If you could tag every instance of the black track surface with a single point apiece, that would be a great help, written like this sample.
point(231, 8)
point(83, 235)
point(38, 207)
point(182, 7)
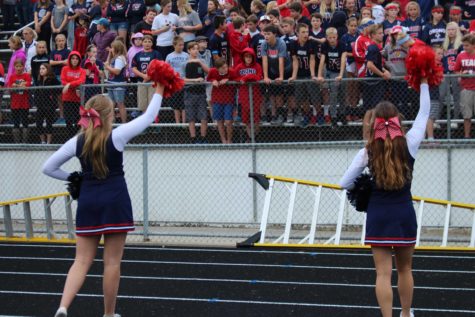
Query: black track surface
point(232, 282)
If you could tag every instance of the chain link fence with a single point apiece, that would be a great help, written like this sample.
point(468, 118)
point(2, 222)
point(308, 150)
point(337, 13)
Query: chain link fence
point(300, 111)
point(200, 194)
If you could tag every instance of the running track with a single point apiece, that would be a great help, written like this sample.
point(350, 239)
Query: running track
point(231, 282)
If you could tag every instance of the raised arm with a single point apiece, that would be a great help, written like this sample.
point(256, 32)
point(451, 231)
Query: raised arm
point(416, 134)
point(125, 132)
point(356, 168)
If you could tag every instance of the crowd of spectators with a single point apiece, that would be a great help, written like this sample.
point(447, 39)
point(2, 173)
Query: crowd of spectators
point(300, 50)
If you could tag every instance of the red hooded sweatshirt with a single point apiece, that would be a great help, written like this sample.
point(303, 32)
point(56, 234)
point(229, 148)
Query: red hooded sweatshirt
point(246, 74)
point(75, 76)
point(238, 42)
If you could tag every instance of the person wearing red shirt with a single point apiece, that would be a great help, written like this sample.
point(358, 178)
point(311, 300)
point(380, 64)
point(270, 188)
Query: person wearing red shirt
point(283, 7)
point(72, 76)
point(238, 40)
point(81, 40)
point(361, 46)
point(250, 71)
point(19, 101)
point(222, 98)
point(465, 64)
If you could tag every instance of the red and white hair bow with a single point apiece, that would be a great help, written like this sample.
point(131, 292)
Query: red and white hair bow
point(88, 115)
point(383, 127)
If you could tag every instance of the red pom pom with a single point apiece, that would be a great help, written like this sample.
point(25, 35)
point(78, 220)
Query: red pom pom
point(420, 63)
point(162, 73)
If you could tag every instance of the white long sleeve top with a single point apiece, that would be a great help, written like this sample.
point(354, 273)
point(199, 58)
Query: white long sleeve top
point(120, 137)
point(414, 138)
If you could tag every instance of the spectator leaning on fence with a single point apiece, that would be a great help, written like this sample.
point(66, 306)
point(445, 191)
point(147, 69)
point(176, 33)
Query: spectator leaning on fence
point(94, 71)
point(222, 98)
point(249, 71)
point(465, 65)
point(20, 103)
point(331, 69)
point(46, 101)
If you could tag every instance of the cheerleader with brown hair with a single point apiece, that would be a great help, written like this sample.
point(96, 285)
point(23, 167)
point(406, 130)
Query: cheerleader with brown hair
point(391, 224)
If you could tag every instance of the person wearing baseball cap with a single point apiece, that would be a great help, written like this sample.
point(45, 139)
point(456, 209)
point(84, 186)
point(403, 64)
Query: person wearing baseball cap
point(103, 39)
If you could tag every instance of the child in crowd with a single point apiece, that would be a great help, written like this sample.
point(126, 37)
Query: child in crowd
point(46, 101)
point(222, 98)
point(392, 11)
point(116, 65)
point(177, 59)
point(19, 103)
point(413, 22)
point(136, 47)
point(195, 95)
point(455, 15)
point(435, 104)
point(361, 46)
point(434, 32)
point(40, 58)
point(257, 37)
point(373, 91)
point(258, 8)
point(452, 47)
point(276, 67)
point(94, 71)
point(59, 19)
point(352, 99)
point(366, 13)
point(238, 40)
point(140, 63)
point(296, 13)
point(204, 54)
point(303, 67)
point(288, 29)
point(58, 59)
point(81, 40)
point(208, 19)
point(317, 33)
point(218, 43)
point(332, 66)
point(249, 71)
point(72, 77)
point(377, 10)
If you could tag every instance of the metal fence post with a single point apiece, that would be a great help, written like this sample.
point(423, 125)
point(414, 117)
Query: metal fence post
point(145, 193)
point(251, 114)
point(28, 221)
point(7, 218)
point(82, 93)
point(69, 216)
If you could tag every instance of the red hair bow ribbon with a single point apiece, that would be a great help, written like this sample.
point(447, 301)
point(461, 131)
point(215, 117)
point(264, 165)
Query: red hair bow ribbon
point(88, 115)
point(383, 127)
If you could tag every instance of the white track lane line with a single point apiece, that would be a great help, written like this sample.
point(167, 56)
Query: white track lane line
point(223, 250)
point(216, 280)
point(288, 266)
point(234, 301)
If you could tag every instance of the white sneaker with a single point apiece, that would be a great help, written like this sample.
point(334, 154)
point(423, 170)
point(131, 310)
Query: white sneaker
point(411, 313)
point(115, 315)
point(61, 312)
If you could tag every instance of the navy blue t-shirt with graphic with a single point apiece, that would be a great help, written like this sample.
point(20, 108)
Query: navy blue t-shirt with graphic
point(333, 56)
point(373, 54)
point(143, 59)
point(303, 54)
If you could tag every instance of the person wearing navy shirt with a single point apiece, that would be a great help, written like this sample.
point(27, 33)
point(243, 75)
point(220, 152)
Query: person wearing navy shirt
point(218, 43)
point(373, 90)
point(303, 67)
point(414, 22)
point(135, 12)
point(434, 32)
point(468, 7)
point(140, 65)
point(426, 6)
point(391, 20)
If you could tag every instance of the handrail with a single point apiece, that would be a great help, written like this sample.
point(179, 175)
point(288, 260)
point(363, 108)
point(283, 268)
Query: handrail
point(334, 186)
point(23, 200)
